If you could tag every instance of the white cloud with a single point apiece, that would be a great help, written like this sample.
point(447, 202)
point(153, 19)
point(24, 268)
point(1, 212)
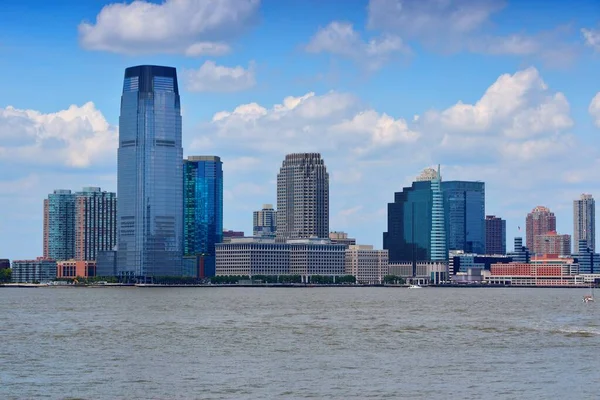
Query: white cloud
point(340, 38)
point(211, 77)
point(594, 109)
point(76, 137)
point(592, 38)
point(190, 27)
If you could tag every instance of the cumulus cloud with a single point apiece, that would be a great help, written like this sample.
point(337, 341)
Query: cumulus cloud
point(75, 137)
point(211, 77)
point(340, 38)
point(594, 109)
point(190, 27)
point(591, 38)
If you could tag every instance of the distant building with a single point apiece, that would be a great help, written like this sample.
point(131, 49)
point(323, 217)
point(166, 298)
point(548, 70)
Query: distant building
point(302, 197)
point(539, 222)
point(425, 272)
point(461, 262)
point(416, 222)
point(106, 263)
point(589, 262)
point(542, 272)
point(59, 225)
point(75, 269)
point(465, 215)
point(229, 234)
point(4, 263)
point(341, 238)
point(495, 235)
point(520, 253)
point(30, 271)
point(369, 266)
point(264, 221)
point(584, 221)
point(552, 243)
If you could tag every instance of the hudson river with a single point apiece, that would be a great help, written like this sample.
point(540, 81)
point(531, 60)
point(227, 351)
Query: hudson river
point(319, 343)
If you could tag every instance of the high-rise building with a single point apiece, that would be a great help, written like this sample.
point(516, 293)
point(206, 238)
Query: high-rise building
point(584, 221)
point(59, 225)
point(150, 174)
point(265, 221)
point(203, 207)
point(495, 235)
point(416, 222)
point(552, 244)
point(95, 222)
point(539, 222)
point(465, 213)
point(303, 197)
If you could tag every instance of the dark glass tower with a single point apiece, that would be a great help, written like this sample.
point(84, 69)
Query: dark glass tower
point(150, 174)
point(465, 208)
point(203, 208)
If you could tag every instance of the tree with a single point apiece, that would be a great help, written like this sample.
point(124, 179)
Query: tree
point(393, 279)
point(5, 275)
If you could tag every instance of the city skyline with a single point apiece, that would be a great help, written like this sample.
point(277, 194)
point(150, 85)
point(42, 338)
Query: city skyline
point(377, 124)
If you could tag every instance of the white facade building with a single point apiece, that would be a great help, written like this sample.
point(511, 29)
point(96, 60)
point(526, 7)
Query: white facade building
point(366, 264)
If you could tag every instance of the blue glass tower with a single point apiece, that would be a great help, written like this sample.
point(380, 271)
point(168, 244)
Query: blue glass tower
point(150, 172)
point(465, 208)
point(203, 208)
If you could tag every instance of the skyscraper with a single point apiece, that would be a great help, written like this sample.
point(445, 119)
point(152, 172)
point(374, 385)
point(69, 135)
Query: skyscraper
point(59, 225)
point(203, 207)
point(95, 222)
point(416, 222)
point(465, 210)
point(303, 197)
point(584, 221)
point(264, 221)
point(539, 222)
point(495, 235)
point(150, 174)
point(552, 244)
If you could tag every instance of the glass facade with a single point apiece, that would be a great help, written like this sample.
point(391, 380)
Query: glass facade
point(203, 208)
point(59, 225)
point(95, 223)
point(465, 208)
point(150, 172)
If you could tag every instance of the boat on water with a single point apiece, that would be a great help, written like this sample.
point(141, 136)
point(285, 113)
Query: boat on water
point(588, 298)
point(415, 287)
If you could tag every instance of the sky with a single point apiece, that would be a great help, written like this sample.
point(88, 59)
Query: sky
point(505, 92)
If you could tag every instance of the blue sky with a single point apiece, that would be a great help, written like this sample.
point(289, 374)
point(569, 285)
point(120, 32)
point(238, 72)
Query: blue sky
point(506, 92)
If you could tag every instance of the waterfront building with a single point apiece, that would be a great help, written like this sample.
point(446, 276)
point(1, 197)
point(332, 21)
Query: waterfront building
point(341, 238)
point(59, 225)
point(95, 222)
point(229, 234)
point(539, 222)
point(588, 260)
point(584, 221)
point(461, 262)
point(302, 197)
point(421, 273)
point(150, 174)
point(521, 253)
point(30, 271)
point(540, 272)
point(552, 243)
point(416, 222)
point(203, 208)
point(495, 235)
point(106, 263)
point(264, 222)
point(4, 263)
point(465, 215)
point(75, 269)
point(367, 265)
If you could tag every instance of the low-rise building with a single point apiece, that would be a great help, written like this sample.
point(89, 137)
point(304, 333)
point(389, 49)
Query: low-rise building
point(421, 272)
point(538, 272)
point(75, 269)
point(4, 263)
point(29, 271)
point(341, 238)
point(367, 265)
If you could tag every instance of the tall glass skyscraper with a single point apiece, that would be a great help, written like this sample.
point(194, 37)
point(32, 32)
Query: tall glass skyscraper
point(584, 221)
point(416, 222)
point(203, 207)
point(59, 225)
point(150, 174)
point(465, 208)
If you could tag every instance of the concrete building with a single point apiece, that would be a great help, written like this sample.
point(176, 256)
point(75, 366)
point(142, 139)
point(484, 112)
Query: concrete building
point(229, 234)
point(552, 243)
point(538, 222)
point(29, 271)
point(95, 222)
point(541, 272)
point(495, 235)
point(584, 221)
point(461, 262)
point(367, 265)
point(341, 238)
point(302, 197)
point(264, 222)
point(422, 273)
point(75, 269)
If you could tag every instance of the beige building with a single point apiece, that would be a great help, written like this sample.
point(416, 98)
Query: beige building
point(366, 264)
point(341, 238)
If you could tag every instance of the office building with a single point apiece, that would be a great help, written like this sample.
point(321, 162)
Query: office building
point(520, 254)
point(4, 263)
point(461, 262)
point(75, 269)
point(203, 207)
point(584, 221)
point(341, 238)
point(539, 222)
point(228, 234)
point(416, 222)
point(589, 262)
point(465, 215)
point(106, 263)
point(367, 265)
point(150, 175)
point(31, 271)
point(302, 197)
point(264, 222)
point(59, 225)
point(95, 223)
point(552, 243)
point(495, 235)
